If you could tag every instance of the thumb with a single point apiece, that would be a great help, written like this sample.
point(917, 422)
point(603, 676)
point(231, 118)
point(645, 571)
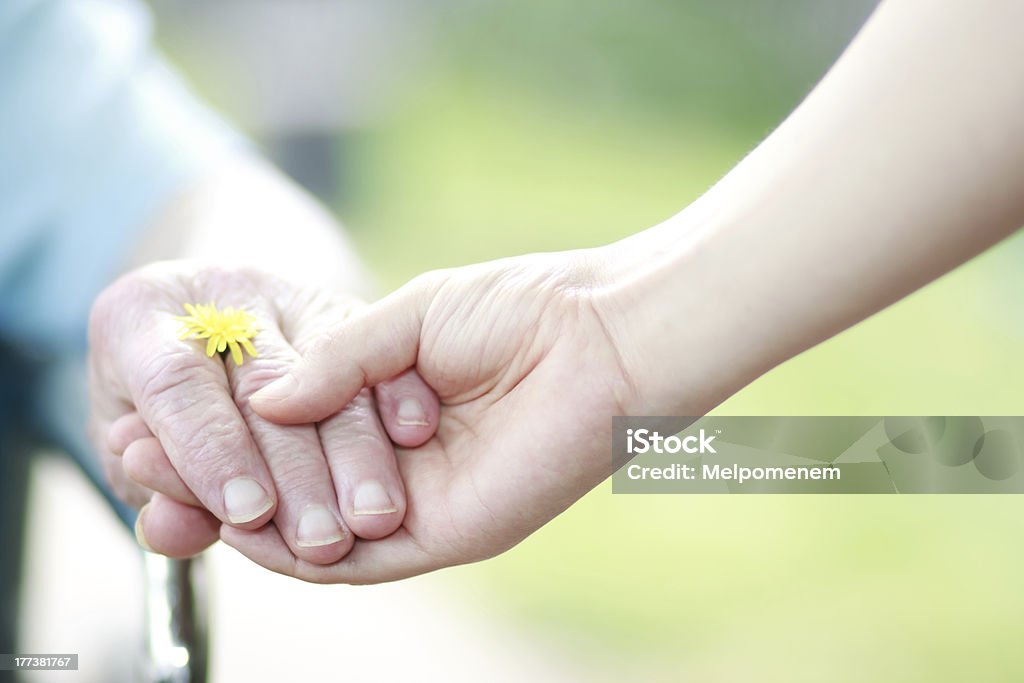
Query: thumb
point(374, 344)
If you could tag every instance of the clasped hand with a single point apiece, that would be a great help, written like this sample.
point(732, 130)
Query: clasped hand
point(176, 434)
point(518, 352)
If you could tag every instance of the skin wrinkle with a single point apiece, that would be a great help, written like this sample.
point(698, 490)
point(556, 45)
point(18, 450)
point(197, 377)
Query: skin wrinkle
point(622, 376)
point(365, 444)
point(293, 473)
point(522, 370)
point(102, 331)
point(453, 533)
point(169, 375)
point(435, 332)
point(448, 416)
point(521, 364)
point(205, 430)
point(469, 419)
point(481, 504)
point(439, 336)
point(416, 545)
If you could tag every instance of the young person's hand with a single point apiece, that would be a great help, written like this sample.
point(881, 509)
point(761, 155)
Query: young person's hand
point(528, 378)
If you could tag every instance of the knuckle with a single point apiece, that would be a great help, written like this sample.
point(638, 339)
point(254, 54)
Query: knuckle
point(195, 431)
point(178, 397)
point(349, 442)
point(162, 377)
point(211, 442)
point(296, 477)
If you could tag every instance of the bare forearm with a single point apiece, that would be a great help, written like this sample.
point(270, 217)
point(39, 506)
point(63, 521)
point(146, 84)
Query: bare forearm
point(248, 214)
point(907, 160)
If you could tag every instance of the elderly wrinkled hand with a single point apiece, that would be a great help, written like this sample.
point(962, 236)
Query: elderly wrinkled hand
point(176, 434)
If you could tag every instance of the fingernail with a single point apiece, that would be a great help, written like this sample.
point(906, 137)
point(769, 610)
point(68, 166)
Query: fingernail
point(411, 413)
point(278, 390)
point(140, 535)
point(372, 499)
point(318, 527)
point(245, 500)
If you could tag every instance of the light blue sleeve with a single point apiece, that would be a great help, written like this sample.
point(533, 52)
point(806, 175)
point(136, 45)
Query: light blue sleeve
point(95, 133)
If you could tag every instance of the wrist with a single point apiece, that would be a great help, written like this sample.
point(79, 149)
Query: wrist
point(682, 317)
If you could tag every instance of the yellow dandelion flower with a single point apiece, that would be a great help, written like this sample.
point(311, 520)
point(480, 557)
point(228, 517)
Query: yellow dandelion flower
point(231, 328)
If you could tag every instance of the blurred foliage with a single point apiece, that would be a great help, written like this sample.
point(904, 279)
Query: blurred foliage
point(537, 125)
point(540, 126)
point(737, 61)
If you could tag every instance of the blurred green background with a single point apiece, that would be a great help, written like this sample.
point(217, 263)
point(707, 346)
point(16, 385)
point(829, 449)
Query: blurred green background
point(524, 126)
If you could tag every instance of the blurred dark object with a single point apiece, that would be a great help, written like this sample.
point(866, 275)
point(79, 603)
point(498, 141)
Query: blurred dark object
point(176, 621)
point(15, 447)
point(313, 159)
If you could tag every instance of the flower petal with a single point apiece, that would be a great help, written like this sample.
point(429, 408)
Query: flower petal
point(236, 353)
